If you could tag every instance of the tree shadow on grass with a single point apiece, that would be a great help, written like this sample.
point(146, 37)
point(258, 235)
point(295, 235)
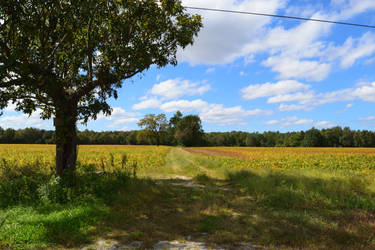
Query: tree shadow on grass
point(275, 210)
point(272, 210)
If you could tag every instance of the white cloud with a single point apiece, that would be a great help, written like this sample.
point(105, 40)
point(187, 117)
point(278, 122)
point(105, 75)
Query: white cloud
point(365, 92)
point(272, 122)
point(300, 69)
point(271, 89)
point(308, 100)
point(147, 104)
point(184, 106)
point(324, 124)
point(224, 36)
point(216, 113)
point(175, 88)
point(213, 113)
point(119, 117)
point(20, 121)
point(10, 108)
point(290, 121)
point(350, 8)
point(299, 52)
point(353, 49)
point(301, 97)
point(292, 107)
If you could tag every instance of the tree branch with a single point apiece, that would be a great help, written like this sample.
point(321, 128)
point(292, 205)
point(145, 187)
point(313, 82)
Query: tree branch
point(92, 85)
point(89, 49)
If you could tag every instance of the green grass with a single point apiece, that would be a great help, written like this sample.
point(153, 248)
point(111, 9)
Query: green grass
point(308, 209)
point(42, 226)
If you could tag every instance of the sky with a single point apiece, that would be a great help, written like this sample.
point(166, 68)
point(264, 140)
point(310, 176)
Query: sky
point(253, 73)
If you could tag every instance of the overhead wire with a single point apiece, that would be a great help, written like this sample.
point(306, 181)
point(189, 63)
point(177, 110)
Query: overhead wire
point(280, 16)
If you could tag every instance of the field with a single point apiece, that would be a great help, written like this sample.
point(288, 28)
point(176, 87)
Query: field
point(309, 198)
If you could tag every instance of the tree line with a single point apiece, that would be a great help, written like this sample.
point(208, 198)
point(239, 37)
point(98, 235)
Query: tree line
point(187, 131)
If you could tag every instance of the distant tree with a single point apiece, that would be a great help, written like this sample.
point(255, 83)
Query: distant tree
point(347, 139)
point(131, 138)
point(173, 121)
point(312, 138)
point(269, 139)
point(66, 58)
point(145, 137)
point(189, 131)
point(8, 135)
point(218, 140)
point(332, 136)
point(1, 135)
point(295, 139)
point(252, 140)
point(357, 139)
point(155, 124)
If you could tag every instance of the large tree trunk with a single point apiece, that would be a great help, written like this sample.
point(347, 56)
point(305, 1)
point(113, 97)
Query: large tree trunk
point(66, 140)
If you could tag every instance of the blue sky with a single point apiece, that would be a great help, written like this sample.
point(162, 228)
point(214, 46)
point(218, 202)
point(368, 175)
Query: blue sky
point(254, 73)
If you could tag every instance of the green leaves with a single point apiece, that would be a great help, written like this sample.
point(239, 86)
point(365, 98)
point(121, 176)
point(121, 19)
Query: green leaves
point(82, 51)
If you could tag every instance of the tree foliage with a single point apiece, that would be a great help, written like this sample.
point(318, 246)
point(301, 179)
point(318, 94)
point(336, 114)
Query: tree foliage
point(189, 131)
point(66, 58)
point(155, 125)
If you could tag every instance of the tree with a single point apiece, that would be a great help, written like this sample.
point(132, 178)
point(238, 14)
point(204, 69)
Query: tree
point(172, 126)
point(189, 131)
point(312, 138)
point(252, 140)
point(155, 124)
point(347, 139)
point(67, 57)
point(332, 136)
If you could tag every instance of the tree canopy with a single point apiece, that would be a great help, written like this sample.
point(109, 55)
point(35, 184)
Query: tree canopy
point(189, 131)
point(66, 58)
point(155, 125)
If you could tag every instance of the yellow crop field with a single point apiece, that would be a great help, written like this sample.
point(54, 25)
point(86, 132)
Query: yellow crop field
point(359, 160)
point(151, 158)
point(102, 158)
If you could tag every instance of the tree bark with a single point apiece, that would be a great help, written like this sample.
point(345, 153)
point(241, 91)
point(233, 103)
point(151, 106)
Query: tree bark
point(66, 140)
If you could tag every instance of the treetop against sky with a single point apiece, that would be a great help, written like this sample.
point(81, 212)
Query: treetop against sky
point(257, 73)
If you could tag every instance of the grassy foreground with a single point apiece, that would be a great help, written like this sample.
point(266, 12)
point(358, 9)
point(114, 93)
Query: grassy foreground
point(225, 203)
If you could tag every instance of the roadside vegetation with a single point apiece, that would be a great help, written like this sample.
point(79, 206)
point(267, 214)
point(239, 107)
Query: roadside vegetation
point(220, 196)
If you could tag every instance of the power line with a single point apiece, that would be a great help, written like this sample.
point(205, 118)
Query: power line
point(280, 16)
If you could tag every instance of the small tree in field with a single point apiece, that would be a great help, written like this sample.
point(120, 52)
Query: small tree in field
point(155, 125)
point(189, 131)
point(67, 57)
